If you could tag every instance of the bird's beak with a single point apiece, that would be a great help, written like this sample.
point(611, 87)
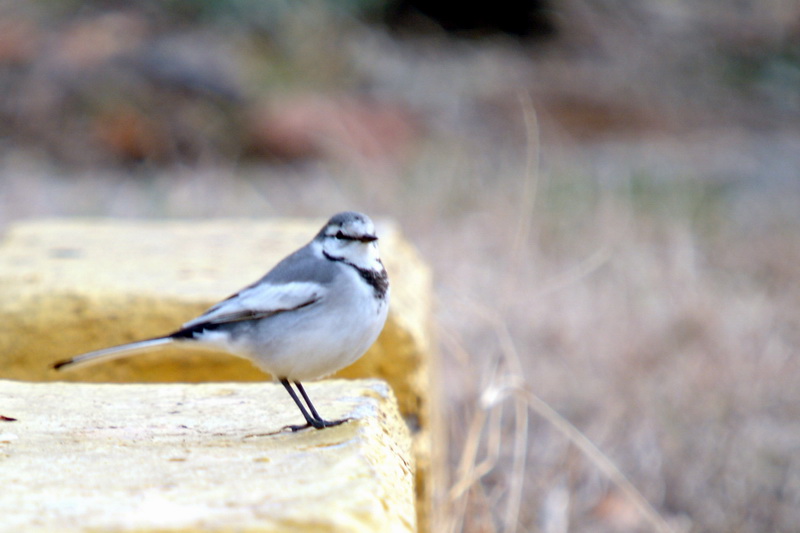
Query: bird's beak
point(368, 238)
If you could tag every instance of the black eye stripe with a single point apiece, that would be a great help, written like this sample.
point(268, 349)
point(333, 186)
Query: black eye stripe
point(342, 236)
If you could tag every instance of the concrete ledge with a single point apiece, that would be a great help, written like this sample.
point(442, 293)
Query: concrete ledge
point(68, 286)
point(178, 457)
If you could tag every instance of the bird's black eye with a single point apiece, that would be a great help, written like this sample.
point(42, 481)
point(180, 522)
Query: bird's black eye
point(341, 235)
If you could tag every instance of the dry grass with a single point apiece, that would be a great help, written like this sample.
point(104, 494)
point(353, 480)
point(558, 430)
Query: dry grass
point(668, 341)
point(686, 384)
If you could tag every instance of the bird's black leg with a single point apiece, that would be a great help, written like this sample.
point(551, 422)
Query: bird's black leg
point(310, 421)
point(322, 423)
point(310, 405)
point(313, 419)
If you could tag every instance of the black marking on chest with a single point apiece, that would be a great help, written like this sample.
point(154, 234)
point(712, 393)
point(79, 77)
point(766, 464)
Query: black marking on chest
point(378, 280)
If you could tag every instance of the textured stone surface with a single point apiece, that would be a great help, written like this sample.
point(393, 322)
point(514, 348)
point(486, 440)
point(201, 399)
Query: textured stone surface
point(68, 286)
point(183, 457)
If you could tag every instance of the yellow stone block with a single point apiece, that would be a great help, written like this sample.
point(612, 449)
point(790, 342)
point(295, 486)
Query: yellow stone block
point(195, 457)
point(68, 286)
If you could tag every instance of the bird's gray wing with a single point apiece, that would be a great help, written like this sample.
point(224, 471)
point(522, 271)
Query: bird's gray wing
point(300, 280)
point(260, 301)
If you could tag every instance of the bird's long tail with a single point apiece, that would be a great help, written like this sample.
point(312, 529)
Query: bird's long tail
point(114, 352)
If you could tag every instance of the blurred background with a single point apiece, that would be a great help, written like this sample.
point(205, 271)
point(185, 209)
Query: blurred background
point(608, 192)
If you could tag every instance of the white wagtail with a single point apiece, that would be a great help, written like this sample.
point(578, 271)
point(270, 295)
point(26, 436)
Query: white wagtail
point(315, 312)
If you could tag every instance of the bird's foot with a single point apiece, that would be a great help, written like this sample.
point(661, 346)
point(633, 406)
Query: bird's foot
point(318, 424)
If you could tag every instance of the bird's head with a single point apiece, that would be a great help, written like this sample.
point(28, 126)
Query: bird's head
point(350, 236)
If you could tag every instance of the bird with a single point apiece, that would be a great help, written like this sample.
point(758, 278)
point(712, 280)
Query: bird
point(314, 313)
